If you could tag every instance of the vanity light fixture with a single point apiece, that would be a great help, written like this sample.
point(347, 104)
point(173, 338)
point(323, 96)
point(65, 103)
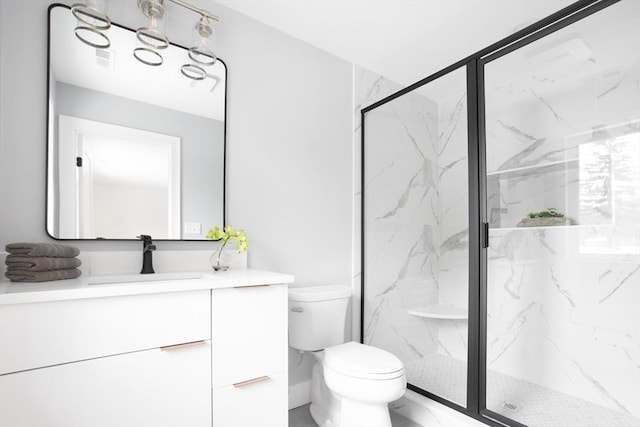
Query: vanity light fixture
point(204, 35)
point(201, 53)
point(150, 39)
point(91, 24)
point(153, 39)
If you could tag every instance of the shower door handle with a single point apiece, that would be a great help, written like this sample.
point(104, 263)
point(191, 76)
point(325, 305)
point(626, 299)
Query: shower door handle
point(485, 235)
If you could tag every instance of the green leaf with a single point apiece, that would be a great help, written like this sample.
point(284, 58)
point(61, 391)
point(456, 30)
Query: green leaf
point(229, 233)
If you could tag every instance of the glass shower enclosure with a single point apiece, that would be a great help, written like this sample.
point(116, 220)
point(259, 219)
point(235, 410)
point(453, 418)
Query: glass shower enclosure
point(501, 225)
point(417, 233)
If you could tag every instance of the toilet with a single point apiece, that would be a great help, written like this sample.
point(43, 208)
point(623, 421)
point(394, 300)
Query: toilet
point(351, 383)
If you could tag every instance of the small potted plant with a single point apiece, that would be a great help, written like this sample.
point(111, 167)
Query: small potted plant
point(225, 235)
point(548, 217)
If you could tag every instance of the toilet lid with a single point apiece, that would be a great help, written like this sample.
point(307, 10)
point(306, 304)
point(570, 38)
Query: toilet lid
point(363, 361)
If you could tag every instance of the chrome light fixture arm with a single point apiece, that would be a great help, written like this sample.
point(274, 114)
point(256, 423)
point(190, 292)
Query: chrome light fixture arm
point(202, 12)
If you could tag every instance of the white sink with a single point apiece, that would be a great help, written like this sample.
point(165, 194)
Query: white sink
point(139, 278)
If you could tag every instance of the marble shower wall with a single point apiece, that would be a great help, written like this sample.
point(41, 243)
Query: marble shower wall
point(453, 272)
point(402, 224)
point(561, 317)
point(563, 301)
point(416, 216)
point(368, 87)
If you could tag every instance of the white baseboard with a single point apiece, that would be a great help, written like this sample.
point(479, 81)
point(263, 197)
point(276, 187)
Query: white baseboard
point(427, 412)
point(299, 394)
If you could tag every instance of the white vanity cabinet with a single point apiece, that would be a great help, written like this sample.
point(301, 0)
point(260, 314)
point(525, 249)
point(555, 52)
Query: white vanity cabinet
point(249, 340)
point(141, 360)
point(150, 388)
point(207, 352)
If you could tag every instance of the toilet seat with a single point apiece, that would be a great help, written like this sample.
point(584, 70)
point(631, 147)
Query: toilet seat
point(363, 361)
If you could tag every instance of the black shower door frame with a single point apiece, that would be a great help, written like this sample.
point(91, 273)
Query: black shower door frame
point(478, 223)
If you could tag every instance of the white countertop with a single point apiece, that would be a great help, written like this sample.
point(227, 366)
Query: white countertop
point(86, 286)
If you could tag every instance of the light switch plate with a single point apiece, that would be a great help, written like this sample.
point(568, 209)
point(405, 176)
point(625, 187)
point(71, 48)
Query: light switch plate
point(192, 228)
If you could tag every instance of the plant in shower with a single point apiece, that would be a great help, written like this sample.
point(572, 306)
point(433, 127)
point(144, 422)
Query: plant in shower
point(226, 234)
point(549, 213)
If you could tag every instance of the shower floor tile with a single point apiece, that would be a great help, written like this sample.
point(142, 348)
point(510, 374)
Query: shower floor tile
point(514, 398)
point(535, 405)
point(441, 375)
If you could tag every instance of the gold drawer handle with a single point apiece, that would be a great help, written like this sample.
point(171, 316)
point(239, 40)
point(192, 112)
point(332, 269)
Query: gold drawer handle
point(253, 381)
point(183, 345)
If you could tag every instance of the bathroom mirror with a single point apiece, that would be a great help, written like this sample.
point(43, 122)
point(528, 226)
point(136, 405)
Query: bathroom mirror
point(132, 149)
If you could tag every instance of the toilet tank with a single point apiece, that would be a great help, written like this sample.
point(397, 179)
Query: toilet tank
point(317, 316)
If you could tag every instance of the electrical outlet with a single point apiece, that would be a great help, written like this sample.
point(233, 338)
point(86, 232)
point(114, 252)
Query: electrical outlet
point(192, 228)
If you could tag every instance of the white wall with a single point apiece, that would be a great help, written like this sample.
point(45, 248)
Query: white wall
point(289, 152)
point(1, 97)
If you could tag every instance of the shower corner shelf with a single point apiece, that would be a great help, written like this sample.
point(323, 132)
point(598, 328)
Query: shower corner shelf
point(546, 227)
point(439, 311)
point(536, 169)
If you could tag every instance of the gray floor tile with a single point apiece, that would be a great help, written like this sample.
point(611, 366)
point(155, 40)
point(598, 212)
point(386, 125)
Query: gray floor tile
point(301, 417)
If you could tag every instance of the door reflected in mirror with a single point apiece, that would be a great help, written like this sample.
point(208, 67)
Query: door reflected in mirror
point(132, 149)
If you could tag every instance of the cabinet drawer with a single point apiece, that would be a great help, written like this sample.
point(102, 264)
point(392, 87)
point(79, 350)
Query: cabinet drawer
point(259, 404)
point(152, 388)
point(249, 333)
point(50, 333)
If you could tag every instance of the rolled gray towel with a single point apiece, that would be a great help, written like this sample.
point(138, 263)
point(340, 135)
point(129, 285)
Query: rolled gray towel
point(43, 249)
point(42, 276)
point(43, 263)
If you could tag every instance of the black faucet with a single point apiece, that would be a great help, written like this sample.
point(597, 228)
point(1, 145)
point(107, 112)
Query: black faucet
point(147, 248)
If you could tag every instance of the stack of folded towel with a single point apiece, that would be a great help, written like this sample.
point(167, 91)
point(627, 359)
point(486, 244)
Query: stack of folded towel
point(41, 262)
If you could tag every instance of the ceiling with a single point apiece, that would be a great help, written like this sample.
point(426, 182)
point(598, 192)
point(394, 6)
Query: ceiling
point(404, 40)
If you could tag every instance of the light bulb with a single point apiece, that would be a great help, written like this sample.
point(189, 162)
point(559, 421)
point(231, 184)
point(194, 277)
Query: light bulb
point(204, 35)
point(151, 38)
point(92, 21)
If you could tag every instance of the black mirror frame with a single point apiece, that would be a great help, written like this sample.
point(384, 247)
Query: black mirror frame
point(47, 146)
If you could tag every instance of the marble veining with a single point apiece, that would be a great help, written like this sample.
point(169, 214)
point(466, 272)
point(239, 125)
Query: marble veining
point(548, 106)
point(580, 338)
point(565, 293)
point(627, 277)
point(560, 308)
point(562, 301)
point(453, 123)
point(421, 250)
point(517, 133)
point(416, 223)
point(422, 178)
